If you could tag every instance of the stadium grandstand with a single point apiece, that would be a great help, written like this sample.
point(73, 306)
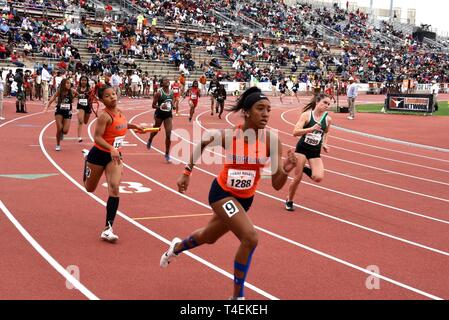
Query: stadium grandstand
point(315, 44)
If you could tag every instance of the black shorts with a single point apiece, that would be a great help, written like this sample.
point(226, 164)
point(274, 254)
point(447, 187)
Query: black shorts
point(310, 154)
point(217, 193)
point(66, 114)
point(99, 157)
point(163, 115)
point(87, 109)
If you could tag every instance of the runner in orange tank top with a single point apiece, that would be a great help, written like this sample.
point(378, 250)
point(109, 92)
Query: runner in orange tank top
point(249, 148)
point(105, 155)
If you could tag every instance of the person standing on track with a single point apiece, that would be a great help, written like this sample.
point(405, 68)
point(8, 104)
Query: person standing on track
point(313, 137)
point(63, 114)
point(105, 156)
point(163, 103)
point(194, 95)
point(84, 105)
point(249, 148)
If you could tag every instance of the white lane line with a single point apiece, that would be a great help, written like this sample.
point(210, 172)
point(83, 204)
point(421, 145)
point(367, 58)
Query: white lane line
point(397, 283)
point(397, 141)
point(75, 282)
point(375, 156)
point(20, 118)
point(370, 145)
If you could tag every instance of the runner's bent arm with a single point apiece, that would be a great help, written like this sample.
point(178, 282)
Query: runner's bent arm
point(155, 100)
point(215, 138)
point(299, 128)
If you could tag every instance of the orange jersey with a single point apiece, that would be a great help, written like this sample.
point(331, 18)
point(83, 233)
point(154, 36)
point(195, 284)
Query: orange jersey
point(176, 87)
point(241, 172)
point(114, 133)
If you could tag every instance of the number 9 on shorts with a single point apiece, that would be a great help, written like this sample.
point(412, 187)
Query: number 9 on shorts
point(230, 208)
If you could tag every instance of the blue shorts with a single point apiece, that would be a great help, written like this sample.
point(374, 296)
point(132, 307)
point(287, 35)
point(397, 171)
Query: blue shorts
point(217, 193)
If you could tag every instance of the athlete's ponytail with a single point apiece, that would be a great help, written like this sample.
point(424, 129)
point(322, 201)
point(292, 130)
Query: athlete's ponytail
point(248, 99)
point(315, 100)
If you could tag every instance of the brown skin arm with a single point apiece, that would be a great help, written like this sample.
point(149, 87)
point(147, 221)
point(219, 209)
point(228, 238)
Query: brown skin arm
point(155, 100)
point(184, 180)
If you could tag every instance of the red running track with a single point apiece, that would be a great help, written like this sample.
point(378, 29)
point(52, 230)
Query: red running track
point(359, 217)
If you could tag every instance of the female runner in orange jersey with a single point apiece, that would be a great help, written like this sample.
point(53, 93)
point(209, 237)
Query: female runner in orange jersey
point(249, 148)
point(105, 155)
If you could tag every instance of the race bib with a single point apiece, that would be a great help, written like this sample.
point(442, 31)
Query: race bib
point(83, 102)
point(175, 91)
point(241, 179)
point(118, 142)
point(166, 106)
point(193, 97)
point(65, 106)
point(313, 139)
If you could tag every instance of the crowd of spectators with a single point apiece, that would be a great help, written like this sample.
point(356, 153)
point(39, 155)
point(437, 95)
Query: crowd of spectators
point(362, 52)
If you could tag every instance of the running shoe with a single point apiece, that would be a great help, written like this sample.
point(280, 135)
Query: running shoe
point(1, 118)
point(237, 298)
point(167, 158)
point(108, 235)
point(169, 255)
point(80, 140)
point(85, 152)
point(58, 148)
point(289, 206)
point(149, 144)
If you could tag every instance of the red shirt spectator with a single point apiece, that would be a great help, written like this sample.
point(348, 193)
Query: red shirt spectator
point(62, 65)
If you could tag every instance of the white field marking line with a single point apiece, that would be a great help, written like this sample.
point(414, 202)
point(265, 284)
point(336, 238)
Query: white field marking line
point(143, 228)
point(370, 145)
point(55, 264)
point(397, 141)
point(312, 210)
point(20, 118)
point(375, 156)
point(367, 166)
point(325, 255)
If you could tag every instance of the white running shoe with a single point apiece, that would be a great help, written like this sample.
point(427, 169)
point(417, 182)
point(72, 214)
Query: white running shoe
point(237, 298)
point(58, 148)
point(350, 118)
point(169, 255)
point(108, 235)
point(85, 153)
